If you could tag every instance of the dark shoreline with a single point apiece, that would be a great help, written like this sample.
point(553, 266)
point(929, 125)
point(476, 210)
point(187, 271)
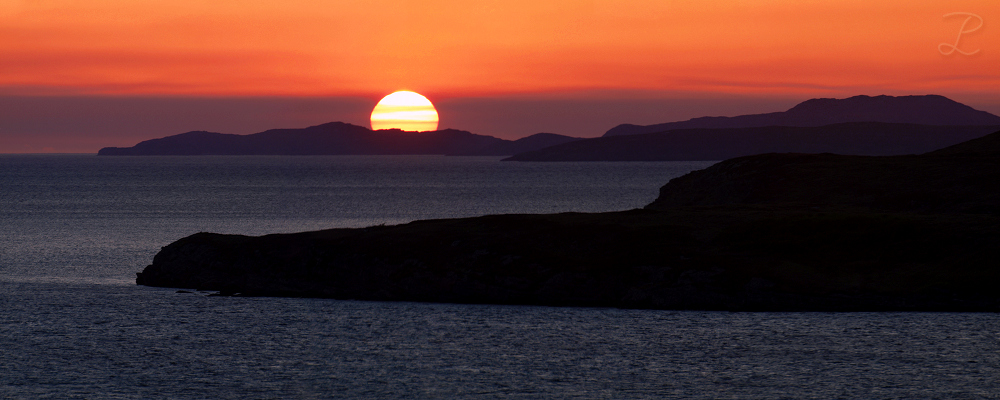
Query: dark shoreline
point(773, 232)
point(632, 259)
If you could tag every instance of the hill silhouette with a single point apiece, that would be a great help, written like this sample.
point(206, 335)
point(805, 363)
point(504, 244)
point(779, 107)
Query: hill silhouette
point(922, 110)
point(335, 138)
point(964, 178)
point(522, 145)
point(807, 232)
point(856, 138)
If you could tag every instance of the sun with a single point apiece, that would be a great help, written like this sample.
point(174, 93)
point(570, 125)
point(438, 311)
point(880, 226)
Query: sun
point(405, 110)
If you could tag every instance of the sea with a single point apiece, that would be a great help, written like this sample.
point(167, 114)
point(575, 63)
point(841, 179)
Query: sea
point(74, 230)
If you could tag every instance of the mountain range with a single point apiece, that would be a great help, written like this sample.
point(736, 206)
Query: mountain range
point(337, 138)
point(859, 125)
point(924, 110)
point(855, 138)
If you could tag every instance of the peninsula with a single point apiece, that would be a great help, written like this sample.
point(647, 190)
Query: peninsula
point(805, 232)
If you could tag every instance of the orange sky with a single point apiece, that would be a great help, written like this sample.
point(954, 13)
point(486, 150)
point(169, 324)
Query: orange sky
point(453, 50)
point(456, 48)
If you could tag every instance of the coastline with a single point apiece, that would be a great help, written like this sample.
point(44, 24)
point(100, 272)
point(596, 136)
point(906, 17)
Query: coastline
point(790, 232)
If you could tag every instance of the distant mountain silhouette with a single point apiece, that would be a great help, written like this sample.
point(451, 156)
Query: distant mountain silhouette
point(525, 144)
point(925, 110)
point(854, 138)
point(335, 138)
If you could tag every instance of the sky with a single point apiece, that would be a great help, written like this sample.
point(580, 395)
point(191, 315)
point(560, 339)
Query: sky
point(79, 75)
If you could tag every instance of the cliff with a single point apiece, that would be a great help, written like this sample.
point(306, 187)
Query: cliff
point(765, 232)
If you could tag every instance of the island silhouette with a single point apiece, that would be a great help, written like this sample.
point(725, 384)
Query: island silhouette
point(860, 125)
point(921, 109)
point(804, 232)
point(337, 138)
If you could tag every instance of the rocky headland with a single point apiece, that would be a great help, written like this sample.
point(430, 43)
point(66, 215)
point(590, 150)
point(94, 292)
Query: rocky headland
point(803, 232)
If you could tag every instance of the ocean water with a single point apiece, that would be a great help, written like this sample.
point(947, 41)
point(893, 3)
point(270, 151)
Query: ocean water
point(74, 229)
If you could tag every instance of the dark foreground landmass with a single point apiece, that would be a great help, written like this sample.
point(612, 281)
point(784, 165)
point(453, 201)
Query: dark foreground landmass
point(765, 232)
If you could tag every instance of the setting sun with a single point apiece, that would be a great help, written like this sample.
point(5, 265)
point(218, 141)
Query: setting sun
point(405, 110)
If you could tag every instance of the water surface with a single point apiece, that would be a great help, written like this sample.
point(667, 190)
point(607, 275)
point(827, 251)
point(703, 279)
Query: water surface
point(75, 229)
